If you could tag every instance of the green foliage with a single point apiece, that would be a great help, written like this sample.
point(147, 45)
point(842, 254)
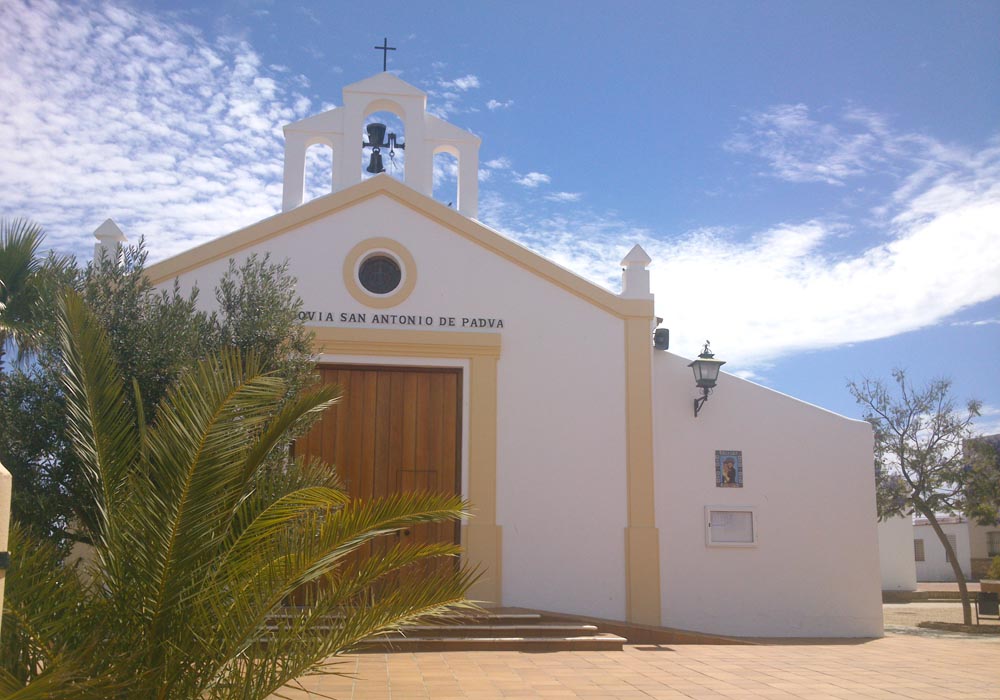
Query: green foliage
point(35, 449)
point(19, 269)
point(892, 493)
point(32, 440)
point(38, 649)
point(28, 286)
point(920, 464)
point(199, 540)
point(919, 440)
point(982, 480)
point(259, 312)
point(993, 573)
point(155, 336)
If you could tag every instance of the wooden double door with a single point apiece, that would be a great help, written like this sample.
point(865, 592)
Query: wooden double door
point(396, 429)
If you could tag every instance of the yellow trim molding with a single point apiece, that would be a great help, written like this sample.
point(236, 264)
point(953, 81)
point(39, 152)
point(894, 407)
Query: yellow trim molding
point(404, 343)
point(384, 185)
point(481, 537)
point(366, 249)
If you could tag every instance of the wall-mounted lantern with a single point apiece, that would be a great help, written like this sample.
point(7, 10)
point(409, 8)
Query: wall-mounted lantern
point(706, 374)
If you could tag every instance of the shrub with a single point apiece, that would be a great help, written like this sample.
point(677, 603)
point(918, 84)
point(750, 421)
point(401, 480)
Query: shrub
point(993, 573)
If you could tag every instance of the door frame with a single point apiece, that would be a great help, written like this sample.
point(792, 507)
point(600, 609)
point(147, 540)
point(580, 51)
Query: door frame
point(477, 354)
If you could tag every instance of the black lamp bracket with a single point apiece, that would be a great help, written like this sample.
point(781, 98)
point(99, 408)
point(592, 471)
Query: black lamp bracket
point(700, 401)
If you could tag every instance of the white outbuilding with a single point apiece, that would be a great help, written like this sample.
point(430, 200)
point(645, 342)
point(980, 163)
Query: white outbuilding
point(472, 364)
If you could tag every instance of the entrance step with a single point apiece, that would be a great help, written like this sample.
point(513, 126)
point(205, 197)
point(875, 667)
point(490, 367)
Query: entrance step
point(497, 631)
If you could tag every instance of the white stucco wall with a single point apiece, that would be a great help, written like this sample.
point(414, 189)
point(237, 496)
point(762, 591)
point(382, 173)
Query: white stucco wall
point(978, 540)
point(895, 549)
point(808, 476)
point(935, 566)
point(561, 402)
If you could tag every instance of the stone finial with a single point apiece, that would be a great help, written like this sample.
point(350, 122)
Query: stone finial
point(635, 276)
point(637, 257)
point(109, 237)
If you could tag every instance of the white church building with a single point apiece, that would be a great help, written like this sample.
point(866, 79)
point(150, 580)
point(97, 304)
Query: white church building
point(472, 364)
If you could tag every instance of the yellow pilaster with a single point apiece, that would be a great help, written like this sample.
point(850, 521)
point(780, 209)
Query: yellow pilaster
point(642, 547)
point(482, 535)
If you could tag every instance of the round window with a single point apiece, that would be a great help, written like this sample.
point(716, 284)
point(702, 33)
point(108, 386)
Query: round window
point(380, 274)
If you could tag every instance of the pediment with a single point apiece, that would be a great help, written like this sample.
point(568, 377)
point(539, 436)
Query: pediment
point(272, 228)
point(385, 84)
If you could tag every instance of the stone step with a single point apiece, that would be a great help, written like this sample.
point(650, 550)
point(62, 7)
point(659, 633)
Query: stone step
point(487, 617)
point(493, 630)
point(599, 642)
point(498, 618)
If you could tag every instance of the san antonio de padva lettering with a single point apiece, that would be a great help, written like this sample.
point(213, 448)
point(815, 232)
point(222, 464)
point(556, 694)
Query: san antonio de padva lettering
point(379, 319)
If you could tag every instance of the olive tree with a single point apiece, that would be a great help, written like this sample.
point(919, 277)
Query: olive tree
point(156, 335)
point(921, 463)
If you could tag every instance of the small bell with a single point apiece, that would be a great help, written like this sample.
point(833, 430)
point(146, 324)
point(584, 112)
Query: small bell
point(375, 165)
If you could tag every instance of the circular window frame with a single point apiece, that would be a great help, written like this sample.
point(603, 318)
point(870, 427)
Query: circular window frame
point(389, 248)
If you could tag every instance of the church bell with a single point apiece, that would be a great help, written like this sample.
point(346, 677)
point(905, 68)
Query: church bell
point(375, 164)
point(376, 136)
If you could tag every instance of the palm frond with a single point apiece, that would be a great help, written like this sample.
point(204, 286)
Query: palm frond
point(46, 649)
point(101, 426)
point(205, 529)
point(22, 286)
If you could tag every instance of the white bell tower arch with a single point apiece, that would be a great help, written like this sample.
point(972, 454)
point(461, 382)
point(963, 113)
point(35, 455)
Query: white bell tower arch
point(342, 129)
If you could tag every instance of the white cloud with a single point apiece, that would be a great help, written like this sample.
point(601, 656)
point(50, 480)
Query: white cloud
point(494, 105)
point(982, 322)
point(988, 422)
point(501, 163)
point(445, 169)
point(800, 149)
point(533, 179)
point(784, 290)
point(447, 95)
point(564, 196)
point(464, 83)
point(108, 111)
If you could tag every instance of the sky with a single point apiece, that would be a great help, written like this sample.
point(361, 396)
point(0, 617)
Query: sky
point(818, 184)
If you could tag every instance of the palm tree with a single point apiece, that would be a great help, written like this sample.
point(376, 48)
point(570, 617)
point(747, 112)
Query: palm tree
point(205, 529)
point(29, 287)
point(20, 297)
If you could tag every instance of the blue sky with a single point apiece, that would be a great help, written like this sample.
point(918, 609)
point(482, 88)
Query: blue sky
point(817, 183)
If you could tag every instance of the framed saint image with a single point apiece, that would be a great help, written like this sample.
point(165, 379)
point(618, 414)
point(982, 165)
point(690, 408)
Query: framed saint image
point(729, 469)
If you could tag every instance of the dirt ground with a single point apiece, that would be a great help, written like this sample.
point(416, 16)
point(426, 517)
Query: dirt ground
point(910, 614)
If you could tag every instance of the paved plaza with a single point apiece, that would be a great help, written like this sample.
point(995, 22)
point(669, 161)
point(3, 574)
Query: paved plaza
point(904, 664)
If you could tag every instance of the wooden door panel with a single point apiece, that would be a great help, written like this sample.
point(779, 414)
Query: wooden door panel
point(395, 430)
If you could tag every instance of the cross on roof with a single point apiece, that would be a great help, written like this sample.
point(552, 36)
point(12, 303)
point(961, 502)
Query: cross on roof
point(385, 49)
